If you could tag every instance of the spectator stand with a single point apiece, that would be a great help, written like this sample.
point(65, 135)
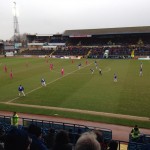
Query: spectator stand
point(146, 138)
point(138, 146)
point(74, 131)
point(107, 133)
point(5, 121)
point(143, 143)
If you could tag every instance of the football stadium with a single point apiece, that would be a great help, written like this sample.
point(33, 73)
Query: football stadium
point(97, 75)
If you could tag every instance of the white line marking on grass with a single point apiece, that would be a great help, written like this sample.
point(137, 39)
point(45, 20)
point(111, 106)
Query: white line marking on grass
point(48, 83)
point(106, 69)
point(13, 99)
point(59, 72)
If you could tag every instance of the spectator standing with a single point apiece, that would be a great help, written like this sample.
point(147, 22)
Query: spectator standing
point(87, 141)
point(2, 137)
point(62, 141)
point(113, 145)
point(35, 133)
point(17, 139)
point(49, 138)
point(135, 133)
point(100, 139)
point(15, 119)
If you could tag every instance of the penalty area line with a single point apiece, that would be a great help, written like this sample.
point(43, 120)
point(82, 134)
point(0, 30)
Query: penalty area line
point(48, 83)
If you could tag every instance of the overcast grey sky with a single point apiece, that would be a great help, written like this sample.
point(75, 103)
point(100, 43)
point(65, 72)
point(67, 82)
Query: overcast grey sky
point(53, 16)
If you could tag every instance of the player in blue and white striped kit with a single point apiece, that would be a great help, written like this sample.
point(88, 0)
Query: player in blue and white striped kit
point(79, 65)
point(21, 90)
point(92, 70)
point(43, 82)
point(141, 72)
point(115, 77)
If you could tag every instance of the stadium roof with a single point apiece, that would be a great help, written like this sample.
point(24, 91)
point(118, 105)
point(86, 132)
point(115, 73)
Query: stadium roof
point(47, 35)
point(104, 31)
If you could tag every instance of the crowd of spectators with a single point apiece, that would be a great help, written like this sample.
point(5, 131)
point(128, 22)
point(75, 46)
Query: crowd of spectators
point(58, 39)
point(32, 138)
point(94, 47)
point(119, 46)
point(93, 52)
point(72, 51)
point(37, 52)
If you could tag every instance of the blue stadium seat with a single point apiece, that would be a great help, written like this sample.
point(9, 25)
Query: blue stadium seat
point(69, 127)
point(5, 119)
point(146, 138)
point(136, 146)
point(147, 146)
point(107, 134)
point(57, 125)
point(80, 129)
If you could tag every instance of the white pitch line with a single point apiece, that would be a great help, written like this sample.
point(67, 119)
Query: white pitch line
point(106, 69)
point(48, 83)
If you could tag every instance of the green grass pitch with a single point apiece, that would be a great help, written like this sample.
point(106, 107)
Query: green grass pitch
point(78, 88)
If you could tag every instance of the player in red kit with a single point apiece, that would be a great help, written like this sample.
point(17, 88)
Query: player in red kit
point(51, 66)
point(11, 75)
point(5, 68)
point(62, 71)
point(86, 62)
